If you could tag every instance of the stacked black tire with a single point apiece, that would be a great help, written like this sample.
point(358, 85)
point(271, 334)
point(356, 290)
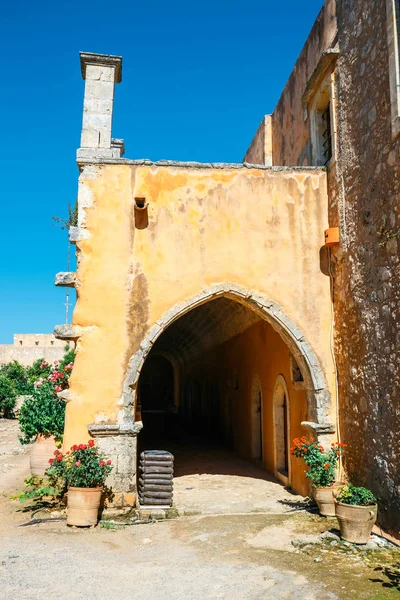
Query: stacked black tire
point(156, 478)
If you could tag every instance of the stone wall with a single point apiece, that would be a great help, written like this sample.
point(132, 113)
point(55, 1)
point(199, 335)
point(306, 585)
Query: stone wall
point(28, 347)
point(364, 193)
point(290, 125)
point(43, 340)
point(367, 270)
point(26, 355)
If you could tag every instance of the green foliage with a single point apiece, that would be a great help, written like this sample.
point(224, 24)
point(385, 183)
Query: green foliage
point(42, 413)
point(18, 376)
point(358, 496)
point(8, 397)
point(40, 368)
point(321, 465)
point(71, 220)
point(83, 466)
point(69, 357)
point(36, 488)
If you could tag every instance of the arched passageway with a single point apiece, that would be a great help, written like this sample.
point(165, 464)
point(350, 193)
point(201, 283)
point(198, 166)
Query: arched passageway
point(220, 379)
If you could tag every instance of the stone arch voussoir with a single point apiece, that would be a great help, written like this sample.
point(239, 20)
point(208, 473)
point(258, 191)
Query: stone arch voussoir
point(318, 394)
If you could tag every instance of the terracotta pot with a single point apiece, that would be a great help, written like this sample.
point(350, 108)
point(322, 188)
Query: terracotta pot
point(355, 522)
point(41, 451)
point(83, 506)
point(323, 496)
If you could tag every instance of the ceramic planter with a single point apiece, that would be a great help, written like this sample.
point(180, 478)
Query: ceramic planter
point(83, 506)
point(355, 522)
point(323, 496)
point(41, 451)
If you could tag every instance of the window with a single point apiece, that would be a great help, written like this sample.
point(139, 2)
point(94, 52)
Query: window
point(393, 33)
point(326, 134)
point(36, 343)
point(52, 342)
point(322, 124)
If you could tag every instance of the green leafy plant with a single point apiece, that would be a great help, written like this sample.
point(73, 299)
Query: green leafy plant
point(358, 496)
point(18, 376)
point(83, 466)
point(8, 397)
point(71, 220)
point(321, 465)
point(43, 412)
point(37, 488)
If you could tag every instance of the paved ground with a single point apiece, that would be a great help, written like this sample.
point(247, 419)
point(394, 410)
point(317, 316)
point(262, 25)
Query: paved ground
point(235, 557)
point(213, 480)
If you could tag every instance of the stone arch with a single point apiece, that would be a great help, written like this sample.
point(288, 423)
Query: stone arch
point(318, 394)
point(281, 423)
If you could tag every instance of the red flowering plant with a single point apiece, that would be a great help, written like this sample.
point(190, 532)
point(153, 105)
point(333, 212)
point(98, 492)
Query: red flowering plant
point(322, 465)
point(83, 466)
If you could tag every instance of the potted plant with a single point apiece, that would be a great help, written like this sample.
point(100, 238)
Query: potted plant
point(83, 471)
point(42, 414)
point(322, 467)
point(356, 511)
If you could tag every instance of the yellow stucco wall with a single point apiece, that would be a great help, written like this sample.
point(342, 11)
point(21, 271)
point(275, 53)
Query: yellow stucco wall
point(261, 229)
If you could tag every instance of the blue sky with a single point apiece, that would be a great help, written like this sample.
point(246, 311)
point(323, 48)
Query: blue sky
point(197, 79)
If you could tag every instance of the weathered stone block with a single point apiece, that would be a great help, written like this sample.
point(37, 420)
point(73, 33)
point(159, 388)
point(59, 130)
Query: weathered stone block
point(68, 332)
point(65, 279)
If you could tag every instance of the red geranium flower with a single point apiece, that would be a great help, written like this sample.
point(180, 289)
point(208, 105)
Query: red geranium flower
point(91, 443)
point(56, 452)
point(109, 462)
point(102, 463)
point(51, 460)
point(81, 447)
point(59, 457)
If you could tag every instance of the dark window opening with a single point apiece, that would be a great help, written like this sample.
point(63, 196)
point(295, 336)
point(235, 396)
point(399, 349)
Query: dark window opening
point(326, 134)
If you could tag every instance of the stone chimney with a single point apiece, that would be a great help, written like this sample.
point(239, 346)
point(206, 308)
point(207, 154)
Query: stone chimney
point(100, 72)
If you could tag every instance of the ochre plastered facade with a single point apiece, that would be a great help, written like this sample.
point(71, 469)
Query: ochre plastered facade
point(254, 235)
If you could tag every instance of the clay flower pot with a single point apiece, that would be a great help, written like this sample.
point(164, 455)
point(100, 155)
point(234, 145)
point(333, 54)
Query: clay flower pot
point(41, 451)
point(83, 506)
point(355, 522)
point(324, 497)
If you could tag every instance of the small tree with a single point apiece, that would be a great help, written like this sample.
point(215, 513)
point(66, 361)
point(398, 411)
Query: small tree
point(18, 377)
point(8, 397)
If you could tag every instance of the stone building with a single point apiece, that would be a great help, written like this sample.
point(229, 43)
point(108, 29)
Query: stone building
point(28, 347)
point(209, 297)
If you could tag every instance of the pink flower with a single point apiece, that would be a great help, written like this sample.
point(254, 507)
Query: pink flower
point(78, 463)
point(56, 362)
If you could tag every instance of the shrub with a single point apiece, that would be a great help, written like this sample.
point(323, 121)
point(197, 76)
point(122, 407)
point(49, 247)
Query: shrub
point(359, 496)
point(18, 377)
point(8, 397)
point(321, 465)
point(43, 413)
point(83, 466)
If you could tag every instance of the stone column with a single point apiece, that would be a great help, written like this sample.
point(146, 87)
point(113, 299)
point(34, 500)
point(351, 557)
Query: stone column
point(101, 72)
point(119, 442)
